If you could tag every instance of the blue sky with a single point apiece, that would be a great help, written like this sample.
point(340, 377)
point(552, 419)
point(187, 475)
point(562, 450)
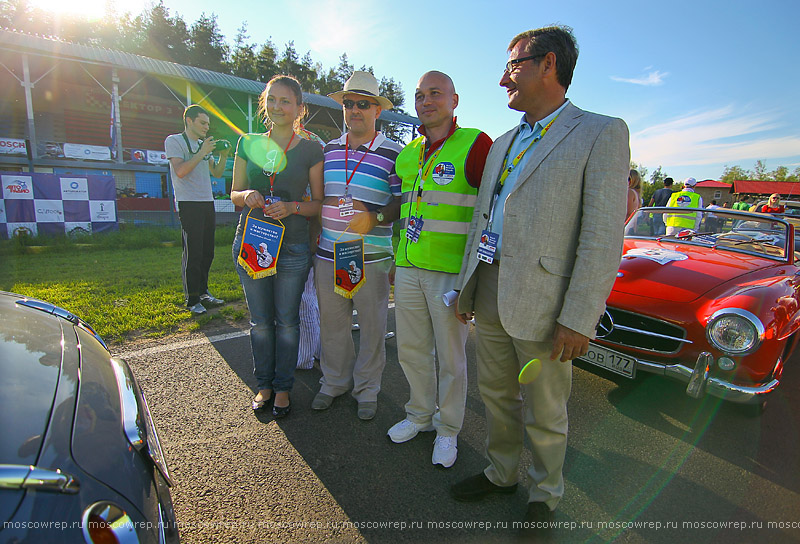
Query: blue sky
point(700, 84)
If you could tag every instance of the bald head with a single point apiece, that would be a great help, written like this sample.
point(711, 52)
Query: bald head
point(435, 100)
point(438, 79)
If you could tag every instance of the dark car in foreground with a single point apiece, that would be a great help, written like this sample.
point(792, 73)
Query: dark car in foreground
point(80, 459)
point(715, 304)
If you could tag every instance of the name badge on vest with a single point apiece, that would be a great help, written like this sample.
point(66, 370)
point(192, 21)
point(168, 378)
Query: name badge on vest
point(346, 206)
point(487, 246)
point(414, 228)
point(348, 267)
point(261, 246)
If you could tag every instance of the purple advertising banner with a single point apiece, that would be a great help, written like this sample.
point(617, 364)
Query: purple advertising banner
point(37, 203)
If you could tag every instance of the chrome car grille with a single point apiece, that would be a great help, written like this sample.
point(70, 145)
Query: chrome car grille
point(642, 332)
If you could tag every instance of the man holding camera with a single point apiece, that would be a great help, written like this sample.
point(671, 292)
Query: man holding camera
point(191, 165)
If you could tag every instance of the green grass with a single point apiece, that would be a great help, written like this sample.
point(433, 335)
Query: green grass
point(121, 283)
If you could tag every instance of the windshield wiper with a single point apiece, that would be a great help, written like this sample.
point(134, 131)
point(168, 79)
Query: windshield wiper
point(684, 236)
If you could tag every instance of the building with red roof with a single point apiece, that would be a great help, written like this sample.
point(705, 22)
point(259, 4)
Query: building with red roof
point(712, 190)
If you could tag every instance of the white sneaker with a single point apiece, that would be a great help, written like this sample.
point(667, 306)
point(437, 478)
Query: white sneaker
point(445, 450)
point(406, 430)
point(198, 309)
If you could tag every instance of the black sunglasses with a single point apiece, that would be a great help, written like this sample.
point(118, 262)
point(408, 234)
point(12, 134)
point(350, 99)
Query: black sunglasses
point(360, 104)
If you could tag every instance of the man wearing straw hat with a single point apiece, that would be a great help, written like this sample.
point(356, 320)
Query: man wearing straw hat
point(362, 198)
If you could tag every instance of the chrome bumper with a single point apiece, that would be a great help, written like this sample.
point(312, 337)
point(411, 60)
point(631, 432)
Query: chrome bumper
point(700, 383)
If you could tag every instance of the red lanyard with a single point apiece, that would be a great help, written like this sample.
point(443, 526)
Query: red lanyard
point(347, 152)
point(431, 161)
point(278, 167)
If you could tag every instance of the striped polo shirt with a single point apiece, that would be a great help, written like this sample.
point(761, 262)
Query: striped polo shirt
point(374, 183)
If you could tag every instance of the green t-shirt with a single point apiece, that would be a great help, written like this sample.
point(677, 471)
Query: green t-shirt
point(289, 184)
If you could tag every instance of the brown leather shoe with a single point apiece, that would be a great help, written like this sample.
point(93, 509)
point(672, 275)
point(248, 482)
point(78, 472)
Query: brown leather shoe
point(477, 487)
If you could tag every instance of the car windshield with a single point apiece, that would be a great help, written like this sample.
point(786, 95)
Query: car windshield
point(751, 233)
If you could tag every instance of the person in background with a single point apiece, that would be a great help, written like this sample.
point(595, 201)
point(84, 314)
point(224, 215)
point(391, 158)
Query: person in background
point(685, 198)
point(634, 192)
point(745, 203)
point(191, 165)
point(309, 349)
point(712, 220)
point(661, 198)
point(773, 205)
point(441, 171)
point(274, 301)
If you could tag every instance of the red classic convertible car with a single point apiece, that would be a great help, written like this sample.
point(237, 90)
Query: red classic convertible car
point(712, 302)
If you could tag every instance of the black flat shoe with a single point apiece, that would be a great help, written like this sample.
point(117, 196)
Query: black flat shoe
point(281, 411)
point(259, 405)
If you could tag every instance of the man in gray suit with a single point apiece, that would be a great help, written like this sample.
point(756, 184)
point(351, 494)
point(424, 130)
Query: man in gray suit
point(543, 250)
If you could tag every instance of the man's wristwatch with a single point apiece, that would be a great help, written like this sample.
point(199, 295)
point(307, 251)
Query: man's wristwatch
point(379, 215)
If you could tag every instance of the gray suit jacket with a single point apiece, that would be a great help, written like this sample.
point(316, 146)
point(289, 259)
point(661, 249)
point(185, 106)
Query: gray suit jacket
point(562, 227)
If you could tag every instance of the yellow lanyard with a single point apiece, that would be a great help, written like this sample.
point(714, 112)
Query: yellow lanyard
point(504, 173)
point(507, 170)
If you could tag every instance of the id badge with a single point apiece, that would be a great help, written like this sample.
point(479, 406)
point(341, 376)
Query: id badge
point(270, 200)
point(414, 228)
point(346, 206)
point(488, 246)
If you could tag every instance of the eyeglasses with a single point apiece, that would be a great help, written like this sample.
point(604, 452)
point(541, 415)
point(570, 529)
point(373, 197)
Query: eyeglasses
point(510, 65)
point(360, 104)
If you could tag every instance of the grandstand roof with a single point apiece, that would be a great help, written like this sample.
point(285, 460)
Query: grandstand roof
point(51, 46)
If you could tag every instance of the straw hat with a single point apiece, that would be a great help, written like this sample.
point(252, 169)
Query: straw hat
point(362, 84)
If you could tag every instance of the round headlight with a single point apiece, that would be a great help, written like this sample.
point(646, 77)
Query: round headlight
point(735, 331)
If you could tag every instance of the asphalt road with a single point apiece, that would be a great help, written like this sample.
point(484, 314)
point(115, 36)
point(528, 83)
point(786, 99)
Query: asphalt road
point(645, 462)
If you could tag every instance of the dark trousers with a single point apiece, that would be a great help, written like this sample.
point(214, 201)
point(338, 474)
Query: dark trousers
point(198, 221)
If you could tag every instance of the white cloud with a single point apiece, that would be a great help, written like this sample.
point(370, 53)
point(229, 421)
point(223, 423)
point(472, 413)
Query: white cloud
point(652, 79)
point(720, 136)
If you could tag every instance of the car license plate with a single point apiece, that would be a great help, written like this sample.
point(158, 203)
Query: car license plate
point(610, 360)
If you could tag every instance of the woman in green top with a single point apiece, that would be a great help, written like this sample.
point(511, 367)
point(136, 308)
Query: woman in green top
point(281, 164)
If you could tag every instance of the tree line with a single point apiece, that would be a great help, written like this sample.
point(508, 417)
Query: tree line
point(759, 173)
point(158, 34)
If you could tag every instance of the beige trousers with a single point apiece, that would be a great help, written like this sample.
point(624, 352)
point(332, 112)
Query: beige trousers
point(542, 413)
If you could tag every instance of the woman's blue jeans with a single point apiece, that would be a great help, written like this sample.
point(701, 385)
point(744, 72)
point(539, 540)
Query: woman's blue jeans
point(274, 304)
